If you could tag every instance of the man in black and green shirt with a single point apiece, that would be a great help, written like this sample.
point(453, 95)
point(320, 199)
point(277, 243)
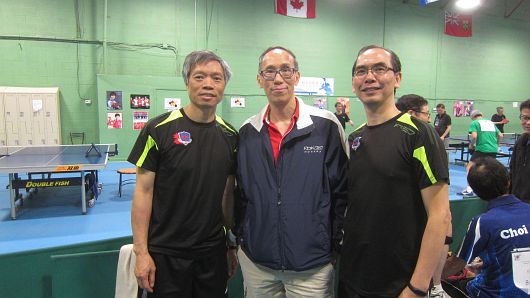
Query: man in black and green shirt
point(185, 165)
point(398, 205)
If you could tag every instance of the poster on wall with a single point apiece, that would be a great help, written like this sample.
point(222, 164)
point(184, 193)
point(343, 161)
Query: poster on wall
point(462, 108)
point(345, 104)
point(139, 120)
point(114, 100)
point(237, 102)
point(315, 86)
point(172, 104)
point(320, 102)
point(114, 120)
point(140, 101)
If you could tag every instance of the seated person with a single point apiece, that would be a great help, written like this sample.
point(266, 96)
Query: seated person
point(493, 235)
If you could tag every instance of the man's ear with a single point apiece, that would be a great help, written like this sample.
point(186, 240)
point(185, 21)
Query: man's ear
point(259, 79)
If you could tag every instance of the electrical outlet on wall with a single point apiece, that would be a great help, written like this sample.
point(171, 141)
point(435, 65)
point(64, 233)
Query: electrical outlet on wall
point(88, 101)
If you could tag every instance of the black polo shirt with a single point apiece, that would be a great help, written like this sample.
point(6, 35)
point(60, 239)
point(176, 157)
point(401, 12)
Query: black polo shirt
point(192, 162)
point(389, 165)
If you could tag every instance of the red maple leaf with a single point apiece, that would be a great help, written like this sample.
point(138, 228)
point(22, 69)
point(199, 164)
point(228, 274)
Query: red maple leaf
point(297, 4)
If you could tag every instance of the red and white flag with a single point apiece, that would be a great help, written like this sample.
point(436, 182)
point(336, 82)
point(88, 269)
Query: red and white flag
point(458, 25)
point(296, 8)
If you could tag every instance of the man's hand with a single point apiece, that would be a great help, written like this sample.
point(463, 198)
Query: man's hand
point(145, 271)
point(231, 256)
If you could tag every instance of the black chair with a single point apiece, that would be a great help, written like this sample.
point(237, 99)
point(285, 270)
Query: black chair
point(77, 136)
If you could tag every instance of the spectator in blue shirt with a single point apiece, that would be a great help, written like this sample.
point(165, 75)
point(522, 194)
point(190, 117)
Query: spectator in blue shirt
point(493, 235)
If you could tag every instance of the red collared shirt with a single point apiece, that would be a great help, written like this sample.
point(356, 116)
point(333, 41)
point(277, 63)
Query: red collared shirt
point(275, 135)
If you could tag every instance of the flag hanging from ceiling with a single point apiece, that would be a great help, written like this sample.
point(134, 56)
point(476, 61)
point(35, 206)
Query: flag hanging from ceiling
point(458, 25)
point(296, 8)
point(425, 2)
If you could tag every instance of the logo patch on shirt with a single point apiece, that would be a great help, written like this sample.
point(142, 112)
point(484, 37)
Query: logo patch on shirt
point(313, 149)
point(182, 138)
point(356, 143)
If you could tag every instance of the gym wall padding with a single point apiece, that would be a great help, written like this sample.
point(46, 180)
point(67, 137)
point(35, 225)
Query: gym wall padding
point(89, 269)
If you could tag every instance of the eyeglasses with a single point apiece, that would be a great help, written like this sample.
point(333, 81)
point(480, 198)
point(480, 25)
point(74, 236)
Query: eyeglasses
point(270, 74)
point(378, 70)
point(524, 117)
point(424, 113)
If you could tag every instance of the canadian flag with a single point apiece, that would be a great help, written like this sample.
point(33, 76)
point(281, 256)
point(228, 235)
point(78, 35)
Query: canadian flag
point(296, 8)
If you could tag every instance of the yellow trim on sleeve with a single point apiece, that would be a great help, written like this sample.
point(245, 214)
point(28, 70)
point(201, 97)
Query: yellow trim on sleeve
point(419, 154)
point(148, 146)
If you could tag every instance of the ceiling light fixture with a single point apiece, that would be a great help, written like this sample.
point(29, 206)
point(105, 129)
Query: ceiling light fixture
point(467, 4)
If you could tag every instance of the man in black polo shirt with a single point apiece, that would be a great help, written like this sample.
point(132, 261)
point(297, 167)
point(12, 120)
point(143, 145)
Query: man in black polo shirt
point(185, 165)
point(442, 124)
point(398, 206)
point(341, 115)
point(499, 119)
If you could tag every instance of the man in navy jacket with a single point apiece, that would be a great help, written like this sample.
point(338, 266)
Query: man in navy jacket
point(291, 175)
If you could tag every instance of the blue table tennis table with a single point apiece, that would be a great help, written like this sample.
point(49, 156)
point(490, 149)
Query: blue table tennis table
point(48, 160)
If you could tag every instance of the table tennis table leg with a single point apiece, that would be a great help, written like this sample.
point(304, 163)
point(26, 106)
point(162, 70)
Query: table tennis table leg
point(83, 193)
point(12, 196)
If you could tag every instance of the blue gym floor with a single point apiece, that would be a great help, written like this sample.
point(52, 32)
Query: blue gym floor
point(53, 216)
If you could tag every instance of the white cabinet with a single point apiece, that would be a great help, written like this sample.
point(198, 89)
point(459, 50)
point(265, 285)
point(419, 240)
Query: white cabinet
point(29, 116)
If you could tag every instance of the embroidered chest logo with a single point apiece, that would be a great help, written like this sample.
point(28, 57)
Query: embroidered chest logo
point(313, 149)
point(356, 143)
point(182, 138)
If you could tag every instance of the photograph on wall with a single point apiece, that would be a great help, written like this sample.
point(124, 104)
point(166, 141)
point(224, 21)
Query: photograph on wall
point(315, 86)
point(171, 104)
point(345, 104)
point(468, 107)
point(458, 108)
point(139, 120)
point(114, 120)
point(114, 100)
point(140, 101)
point(320, 102)
point(237, 102)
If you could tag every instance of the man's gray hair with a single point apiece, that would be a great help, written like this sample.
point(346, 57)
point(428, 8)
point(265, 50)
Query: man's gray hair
point(200, 57)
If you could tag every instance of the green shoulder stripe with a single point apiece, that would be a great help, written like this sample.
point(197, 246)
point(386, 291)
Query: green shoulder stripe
point(419, 154)
point(148, 145)
point(172, 116)
point(360, 126)
point(223, 123)
point(405, 118)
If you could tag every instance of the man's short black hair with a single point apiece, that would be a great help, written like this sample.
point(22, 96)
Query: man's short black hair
point(440, 105)
point(394, 59)
point(411, 102)
point(338, 103)
point(525, 105)
point(488, 178)
point(112, 93)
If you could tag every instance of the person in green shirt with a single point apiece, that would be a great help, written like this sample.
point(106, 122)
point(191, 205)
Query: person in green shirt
point(484, 138)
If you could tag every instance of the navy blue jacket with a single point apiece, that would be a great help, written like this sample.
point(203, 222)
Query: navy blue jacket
point(289, 215)
point(492, 236)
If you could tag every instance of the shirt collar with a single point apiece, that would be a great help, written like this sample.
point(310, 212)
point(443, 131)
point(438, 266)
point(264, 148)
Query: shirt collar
point(294, 118)
point(502, 200)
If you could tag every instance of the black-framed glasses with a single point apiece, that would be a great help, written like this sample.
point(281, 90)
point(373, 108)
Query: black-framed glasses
point(378, 70)
point(270, 74)
point(428, 114)
point(524, 117)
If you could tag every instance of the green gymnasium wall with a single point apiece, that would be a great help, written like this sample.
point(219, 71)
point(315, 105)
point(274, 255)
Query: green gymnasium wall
point(60, 43)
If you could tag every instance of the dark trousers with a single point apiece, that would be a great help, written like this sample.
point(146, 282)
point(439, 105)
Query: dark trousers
point(201, 277)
